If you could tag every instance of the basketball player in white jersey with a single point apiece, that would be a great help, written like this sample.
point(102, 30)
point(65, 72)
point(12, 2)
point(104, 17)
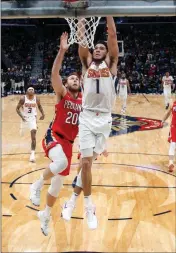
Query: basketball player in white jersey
point(123, 88)
point(167, 83)
point(99, 70)
point(27, 110)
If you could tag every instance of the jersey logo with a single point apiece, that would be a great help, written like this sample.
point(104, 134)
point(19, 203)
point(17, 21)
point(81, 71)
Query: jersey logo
point(104, 72)
point(30, 105)
point(127, 124)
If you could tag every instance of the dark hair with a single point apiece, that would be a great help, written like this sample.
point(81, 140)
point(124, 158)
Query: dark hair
point(103, 43)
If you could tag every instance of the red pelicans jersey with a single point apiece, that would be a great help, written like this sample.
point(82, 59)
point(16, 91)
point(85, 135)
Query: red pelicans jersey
point(172, 134)
point(66, 117)
point(174, 114)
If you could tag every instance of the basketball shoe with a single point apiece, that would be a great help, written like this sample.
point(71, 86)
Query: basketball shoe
point(44, 222)
point(91, 217)
point(32, 157)
point(67, 210)
point(35, 194)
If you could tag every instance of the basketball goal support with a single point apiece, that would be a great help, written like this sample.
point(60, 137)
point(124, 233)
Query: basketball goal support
point(55, 9)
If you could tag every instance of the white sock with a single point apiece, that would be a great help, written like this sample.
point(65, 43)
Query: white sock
point(39, 183)
point(32, 152)
point(170, 162)
point(87, 200)
point(47, 210)
point(74, 197)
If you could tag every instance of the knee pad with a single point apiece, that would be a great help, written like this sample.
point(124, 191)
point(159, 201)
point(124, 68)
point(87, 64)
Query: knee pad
point(60, 162)
point(56, 185)
point(58, 166)
point(172, 148)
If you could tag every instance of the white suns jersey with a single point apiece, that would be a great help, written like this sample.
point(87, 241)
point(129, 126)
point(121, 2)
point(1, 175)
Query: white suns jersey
point(30, 107)
point(123, 85)
point(98, 88)
point(167, 81)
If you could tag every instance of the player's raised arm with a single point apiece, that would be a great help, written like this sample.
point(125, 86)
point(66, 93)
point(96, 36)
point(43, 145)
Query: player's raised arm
point(112, 45)
point(84, 54)
point(55, 75)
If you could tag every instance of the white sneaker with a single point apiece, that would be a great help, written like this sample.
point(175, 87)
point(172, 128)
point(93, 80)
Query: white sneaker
point(32, 158)
point(44, 222)
point(35, 195)
point(91, 217)
point(67, 210)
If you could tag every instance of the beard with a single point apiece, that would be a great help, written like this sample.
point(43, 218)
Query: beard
point(99, 60)
point(73, 90)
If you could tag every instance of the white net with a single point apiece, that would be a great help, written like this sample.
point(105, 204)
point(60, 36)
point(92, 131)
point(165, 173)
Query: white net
point(82, 31)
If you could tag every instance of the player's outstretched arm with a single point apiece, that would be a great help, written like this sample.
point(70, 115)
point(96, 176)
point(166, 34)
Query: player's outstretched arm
point(56, 79)
point(40, 109)
point(113, 48)
point(166, 116)
point(84, 54)
point(19, 106)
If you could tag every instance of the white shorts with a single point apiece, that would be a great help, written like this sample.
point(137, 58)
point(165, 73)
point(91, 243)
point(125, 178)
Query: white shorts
point(123, 95)
point(167, 91)
point(94, 129)
point(31, 123)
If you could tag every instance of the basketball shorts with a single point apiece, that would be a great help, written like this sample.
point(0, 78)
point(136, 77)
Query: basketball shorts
point(167, 91)
point(94, 129)
point(172, 134)
point(123, 95)
point(31, 123)
point(50, 140)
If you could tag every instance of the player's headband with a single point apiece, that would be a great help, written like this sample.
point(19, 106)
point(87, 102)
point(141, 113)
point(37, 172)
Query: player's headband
point(30, 88)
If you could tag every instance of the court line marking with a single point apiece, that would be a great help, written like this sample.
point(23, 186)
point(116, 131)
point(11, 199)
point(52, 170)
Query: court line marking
point(30, 207)
point(156, 214)
point(108, 186)
point(123, 153)
point(120, 219)
point(146, 98)
point(13, 197)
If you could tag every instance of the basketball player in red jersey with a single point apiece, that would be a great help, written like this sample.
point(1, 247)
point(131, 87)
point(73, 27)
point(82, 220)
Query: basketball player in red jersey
point(28, 104)
point(60, 136)
point(172, 135)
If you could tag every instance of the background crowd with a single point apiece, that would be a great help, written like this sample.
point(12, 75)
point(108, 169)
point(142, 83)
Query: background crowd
point(28, 52)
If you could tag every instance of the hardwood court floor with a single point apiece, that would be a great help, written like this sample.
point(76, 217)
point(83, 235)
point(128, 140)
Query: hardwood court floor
point(133, 192)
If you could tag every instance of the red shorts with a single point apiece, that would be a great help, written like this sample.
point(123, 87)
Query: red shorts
point(172, 134)
point(51, 140)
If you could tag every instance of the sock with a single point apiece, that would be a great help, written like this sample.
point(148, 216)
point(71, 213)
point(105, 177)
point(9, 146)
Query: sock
point(170, 162)
point(74, 197)
point(87, 200)
point(32, 152)
point(39, 183)
point(47, 210)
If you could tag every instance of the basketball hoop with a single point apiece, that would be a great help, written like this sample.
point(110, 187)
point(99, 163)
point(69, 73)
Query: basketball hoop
point(82, 30)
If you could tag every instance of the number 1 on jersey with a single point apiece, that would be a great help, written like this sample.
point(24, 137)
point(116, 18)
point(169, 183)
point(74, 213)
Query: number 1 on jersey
point(98, 86)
